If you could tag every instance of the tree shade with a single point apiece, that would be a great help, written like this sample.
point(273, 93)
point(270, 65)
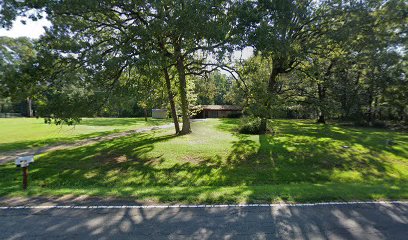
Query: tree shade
point(326, 59)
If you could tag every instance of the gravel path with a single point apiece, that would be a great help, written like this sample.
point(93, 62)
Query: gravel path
point(12, 155)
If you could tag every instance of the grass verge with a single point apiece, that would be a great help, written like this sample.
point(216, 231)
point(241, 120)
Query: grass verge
point(22, 133)
point(302, 162)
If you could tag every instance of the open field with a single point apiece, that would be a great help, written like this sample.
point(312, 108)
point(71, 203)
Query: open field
point(21, 133)
point(301, 162)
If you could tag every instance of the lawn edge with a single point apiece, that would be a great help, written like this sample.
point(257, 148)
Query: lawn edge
point(99, 203)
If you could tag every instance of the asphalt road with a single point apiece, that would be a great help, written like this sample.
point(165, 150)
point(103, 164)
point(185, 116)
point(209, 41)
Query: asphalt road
point(356, 221)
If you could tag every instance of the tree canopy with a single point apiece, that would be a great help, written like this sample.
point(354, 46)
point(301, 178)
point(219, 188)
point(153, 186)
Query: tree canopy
point(329, 59)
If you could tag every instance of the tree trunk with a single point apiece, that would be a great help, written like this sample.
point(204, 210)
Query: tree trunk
point(263, 126)
point(183, 96)
point(370, 109)
point(272, 80)
point(271, 91)
point(375, 110)
point(321, 90)
point(29, 107)
point(322, 95)
point(171, 100)
point(145, 114)
point(321, 119)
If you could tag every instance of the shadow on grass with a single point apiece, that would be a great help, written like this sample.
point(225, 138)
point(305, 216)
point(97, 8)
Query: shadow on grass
point(228, 124)
point(277, 161)
point(4, 147)
point(371, 138)
point(296, 168)
point(121, 122)
point(98, 122)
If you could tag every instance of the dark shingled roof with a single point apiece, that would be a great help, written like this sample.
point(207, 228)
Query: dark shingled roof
point(221, 107)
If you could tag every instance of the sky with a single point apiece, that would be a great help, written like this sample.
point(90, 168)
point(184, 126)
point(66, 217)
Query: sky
point(32, 29)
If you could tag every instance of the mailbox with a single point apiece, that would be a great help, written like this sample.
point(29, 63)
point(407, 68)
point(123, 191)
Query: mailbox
point(24, 161)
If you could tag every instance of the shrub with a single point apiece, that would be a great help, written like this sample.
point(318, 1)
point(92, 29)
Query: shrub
point(251, 125)
point(375, 124)
point(234, 115)
point(361, 123)
point(379, 124)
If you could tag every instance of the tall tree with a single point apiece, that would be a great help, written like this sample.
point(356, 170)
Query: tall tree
point(286, 32)
point(18, 75)
point(111, 37)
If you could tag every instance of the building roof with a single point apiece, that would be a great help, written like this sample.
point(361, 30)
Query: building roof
point(221, 107)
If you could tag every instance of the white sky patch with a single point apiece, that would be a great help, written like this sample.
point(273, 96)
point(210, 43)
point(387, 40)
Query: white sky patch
point(246, 53)
point(32, 29)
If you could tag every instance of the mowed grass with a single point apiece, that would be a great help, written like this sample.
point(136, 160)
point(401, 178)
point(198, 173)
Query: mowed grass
point(301, 162)
point(21, 133)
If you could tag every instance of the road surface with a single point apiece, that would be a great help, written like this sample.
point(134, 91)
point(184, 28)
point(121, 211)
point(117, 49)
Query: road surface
point(336, 221)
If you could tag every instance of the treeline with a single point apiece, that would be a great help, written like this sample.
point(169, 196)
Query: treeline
point(329, 59)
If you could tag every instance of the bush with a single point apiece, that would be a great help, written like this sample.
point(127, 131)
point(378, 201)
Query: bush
point(234, 115)
point(251, 126)
point(361, 123)
point(375, 124)
point(379, 124)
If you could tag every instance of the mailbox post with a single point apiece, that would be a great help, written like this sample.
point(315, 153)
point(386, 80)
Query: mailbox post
point(24, 166)
point(24, 162)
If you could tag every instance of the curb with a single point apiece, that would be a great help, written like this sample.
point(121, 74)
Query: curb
point(199, 206)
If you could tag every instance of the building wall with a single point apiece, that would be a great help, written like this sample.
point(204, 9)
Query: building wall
point(217, 113)
point(208, 113)
point(159, 113)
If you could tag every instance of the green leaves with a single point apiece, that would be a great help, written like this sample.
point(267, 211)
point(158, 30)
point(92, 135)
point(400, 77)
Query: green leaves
point(334, 57)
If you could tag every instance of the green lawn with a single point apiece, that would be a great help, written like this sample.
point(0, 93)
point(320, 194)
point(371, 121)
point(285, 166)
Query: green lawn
point(21, 133)
point(302, 162)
